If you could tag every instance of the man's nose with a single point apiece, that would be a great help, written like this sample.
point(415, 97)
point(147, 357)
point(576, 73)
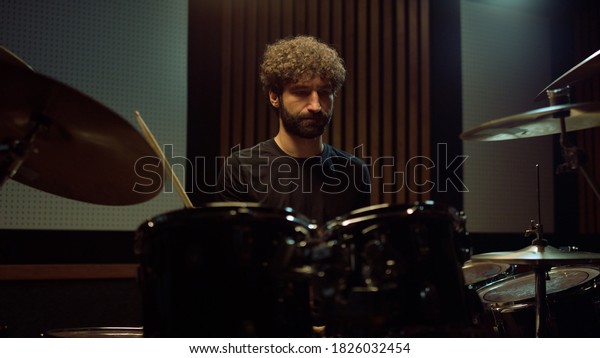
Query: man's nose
point(314, 102)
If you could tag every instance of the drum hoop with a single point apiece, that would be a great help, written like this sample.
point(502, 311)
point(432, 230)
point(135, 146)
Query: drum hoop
point(470, 264)
point(504, 269)
point(593, 271)
point(416, 210)
point(255, 210)
point(61, 332)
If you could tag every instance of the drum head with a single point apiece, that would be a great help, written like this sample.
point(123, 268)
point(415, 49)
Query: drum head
point(475, 272)
point(522, 287)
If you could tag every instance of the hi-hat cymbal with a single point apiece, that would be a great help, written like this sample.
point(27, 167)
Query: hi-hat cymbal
point(538, 122)
point(8, 57)
point(539, 255)
point(87, 152)
point(586, 68)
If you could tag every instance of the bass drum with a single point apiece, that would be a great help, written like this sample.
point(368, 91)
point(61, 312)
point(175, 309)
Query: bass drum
point(573, 303)
point(224, 270)
point(395, 271)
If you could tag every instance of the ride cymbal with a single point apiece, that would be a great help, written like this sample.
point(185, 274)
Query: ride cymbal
point(8, 57)
point(586, 68)
point(84, 150)
point(538, 122)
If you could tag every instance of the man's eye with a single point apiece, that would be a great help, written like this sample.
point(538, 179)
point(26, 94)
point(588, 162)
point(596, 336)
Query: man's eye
point(302, 93)
point(325, 93)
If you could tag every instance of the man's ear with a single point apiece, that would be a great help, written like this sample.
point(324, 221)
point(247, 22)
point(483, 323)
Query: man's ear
point(274, 99)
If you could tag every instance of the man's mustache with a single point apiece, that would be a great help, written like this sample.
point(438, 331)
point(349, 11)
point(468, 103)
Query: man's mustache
point(315, 116)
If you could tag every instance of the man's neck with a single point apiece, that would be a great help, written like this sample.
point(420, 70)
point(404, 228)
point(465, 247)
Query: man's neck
point(298, 147)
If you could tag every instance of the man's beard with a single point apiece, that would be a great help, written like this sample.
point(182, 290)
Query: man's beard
point(307, 126)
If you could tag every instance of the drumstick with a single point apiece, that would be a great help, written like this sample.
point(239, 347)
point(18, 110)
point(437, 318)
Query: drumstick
point(156, 147)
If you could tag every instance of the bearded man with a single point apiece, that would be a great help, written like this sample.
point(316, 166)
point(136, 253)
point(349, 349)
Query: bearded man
point(301, 77)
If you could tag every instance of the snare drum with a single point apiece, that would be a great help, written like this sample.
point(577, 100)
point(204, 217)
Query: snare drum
point(573, 303)
point(479, 274)
point(396, 271)
point(224, 270)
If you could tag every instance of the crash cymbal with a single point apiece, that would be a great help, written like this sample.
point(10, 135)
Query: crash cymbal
point(538, 122)
point(85, 151)
point(586, 68)
point(7, 57)
point(539, 255)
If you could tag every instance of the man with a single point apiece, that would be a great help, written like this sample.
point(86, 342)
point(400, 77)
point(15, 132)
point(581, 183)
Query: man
point(301, 77)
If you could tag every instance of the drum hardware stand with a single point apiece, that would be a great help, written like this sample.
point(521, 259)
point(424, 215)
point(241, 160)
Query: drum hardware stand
point(541, 271)
point(574, 157)
point(12, 156)
point(16, 151)
point(541, 276)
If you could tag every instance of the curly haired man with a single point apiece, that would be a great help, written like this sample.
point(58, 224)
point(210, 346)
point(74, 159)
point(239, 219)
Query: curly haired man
point(301, 76)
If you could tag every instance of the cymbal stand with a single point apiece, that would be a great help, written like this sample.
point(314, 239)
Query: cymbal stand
point(574, 157)
point(541, 276)
point(541, 271)
point(14, 153)
point(541, 303)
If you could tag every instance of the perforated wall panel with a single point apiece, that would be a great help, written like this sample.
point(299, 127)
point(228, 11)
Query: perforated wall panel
point(505, 63)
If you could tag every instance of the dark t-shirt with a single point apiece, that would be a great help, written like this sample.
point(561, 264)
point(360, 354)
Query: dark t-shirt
point(320, 187)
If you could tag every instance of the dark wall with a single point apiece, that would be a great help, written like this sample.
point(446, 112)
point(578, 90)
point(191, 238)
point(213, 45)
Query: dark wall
point(204, 96)
point(446, 90)
point(566, 210)
point(585, 17)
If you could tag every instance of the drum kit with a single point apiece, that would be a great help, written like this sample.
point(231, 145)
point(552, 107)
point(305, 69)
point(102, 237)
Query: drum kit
point(245, 270)
point(556, 273)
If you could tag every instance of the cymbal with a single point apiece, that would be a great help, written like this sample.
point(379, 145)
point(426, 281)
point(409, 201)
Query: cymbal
point(539, 255)
point(586, 68)
point(538, 122)
point(8, 57)
point(87, 152)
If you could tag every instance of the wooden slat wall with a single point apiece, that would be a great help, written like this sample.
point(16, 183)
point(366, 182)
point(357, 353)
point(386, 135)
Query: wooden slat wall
point(382, 109)
point(586, 42)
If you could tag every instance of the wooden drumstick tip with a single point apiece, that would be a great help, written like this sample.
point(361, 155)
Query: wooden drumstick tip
point(156, 147)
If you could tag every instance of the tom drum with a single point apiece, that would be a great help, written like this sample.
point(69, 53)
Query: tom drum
point(224, 270)
point(395, 270)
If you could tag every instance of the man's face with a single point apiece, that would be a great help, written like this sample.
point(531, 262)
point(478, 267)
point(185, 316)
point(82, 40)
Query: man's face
point(306, 107)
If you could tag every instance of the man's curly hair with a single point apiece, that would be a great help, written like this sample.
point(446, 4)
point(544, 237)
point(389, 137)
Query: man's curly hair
point(292, 59)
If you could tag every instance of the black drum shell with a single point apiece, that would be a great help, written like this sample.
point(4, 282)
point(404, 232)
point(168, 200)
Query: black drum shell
point(224, 270)
point(398, 271)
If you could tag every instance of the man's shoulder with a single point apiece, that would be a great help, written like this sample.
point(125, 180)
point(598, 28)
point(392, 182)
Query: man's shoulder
point(264, 149)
